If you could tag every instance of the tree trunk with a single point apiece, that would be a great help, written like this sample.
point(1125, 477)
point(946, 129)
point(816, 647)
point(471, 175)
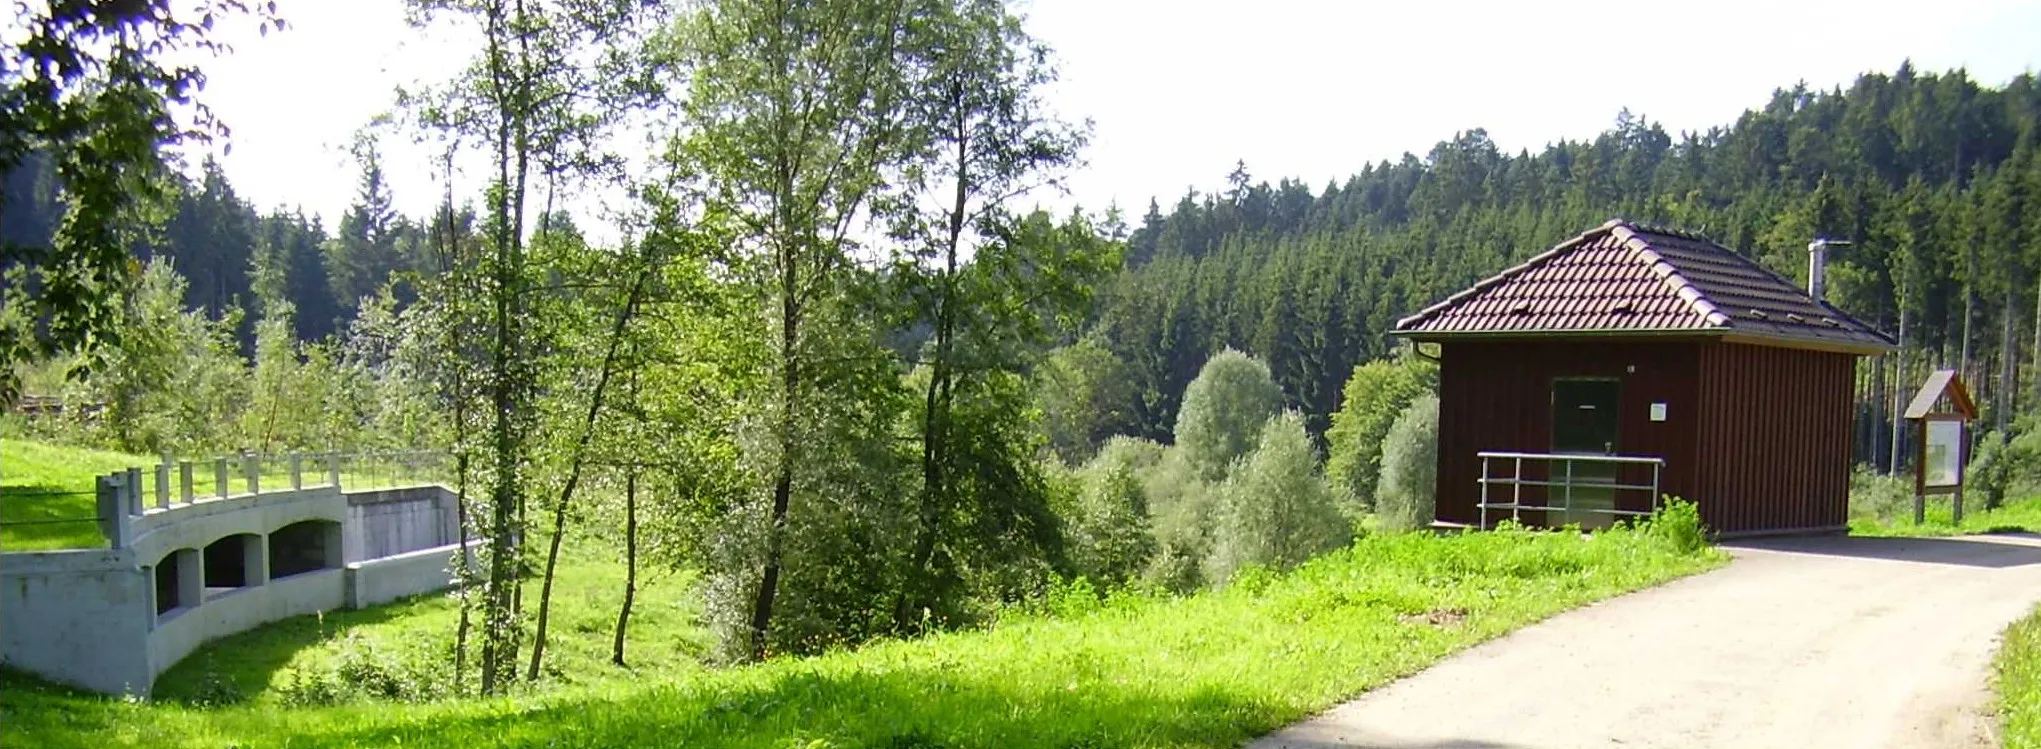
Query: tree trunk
point(630, 561)
point(1899, 384)
point(2037, 341)
point(935, 422)
point(467, 572)
point(2009, 358)
point(602, 378)
point(783, 483)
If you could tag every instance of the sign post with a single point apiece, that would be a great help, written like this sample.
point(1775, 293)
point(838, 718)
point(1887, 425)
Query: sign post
point(1941, 413)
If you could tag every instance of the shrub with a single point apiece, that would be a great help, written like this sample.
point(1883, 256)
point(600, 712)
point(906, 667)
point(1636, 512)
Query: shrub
point(1678, 523)
point(1109, 530)
point(1223, 410)
point(1374, 396)
point(1180, 514)
point(1410, 466)
point(1879, 497)
point(1275, 510)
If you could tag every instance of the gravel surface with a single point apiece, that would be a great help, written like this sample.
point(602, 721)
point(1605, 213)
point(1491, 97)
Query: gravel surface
point(1803, 643)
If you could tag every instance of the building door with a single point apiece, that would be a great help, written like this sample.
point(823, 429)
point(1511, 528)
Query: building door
point(1583, 423)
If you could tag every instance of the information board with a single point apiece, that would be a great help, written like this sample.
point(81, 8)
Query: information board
point(1944, 453)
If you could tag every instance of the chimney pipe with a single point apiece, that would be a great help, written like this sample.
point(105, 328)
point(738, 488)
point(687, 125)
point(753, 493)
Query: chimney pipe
point(1817, 267)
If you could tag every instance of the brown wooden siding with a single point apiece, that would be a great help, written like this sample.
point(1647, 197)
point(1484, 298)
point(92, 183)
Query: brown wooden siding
point(1775, 448)
point(1497, 396)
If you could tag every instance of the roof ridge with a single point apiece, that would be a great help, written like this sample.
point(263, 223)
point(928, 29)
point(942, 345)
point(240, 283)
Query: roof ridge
point(1669, 274)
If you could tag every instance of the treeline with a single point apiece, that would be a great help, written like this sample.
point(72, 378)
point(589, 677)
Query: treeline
point(1934, 177)
point(234, 257)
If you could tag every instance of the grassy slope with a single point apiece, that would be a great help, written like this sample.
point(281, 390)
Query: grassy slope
point(1210, 670)
point(64, 476)
point(254, 666)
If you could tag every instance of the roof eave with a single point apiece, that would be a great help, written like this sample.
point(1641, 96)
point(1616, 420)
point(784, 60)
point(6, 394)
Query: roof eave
point(1859, 348)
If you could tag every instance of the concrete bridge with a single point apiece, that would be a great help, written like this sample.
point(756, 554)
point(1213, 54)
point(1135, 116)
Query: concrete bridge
point(176, 574)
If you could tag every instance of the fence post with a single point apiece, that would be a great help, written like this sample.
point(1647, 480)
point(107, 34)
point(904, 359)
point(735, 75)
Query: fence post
point(114, 521)
point(184, 481)
point(297, 471)
point(252, 465)
point(220, 476)
point(132, 491)
point(163, 484)
point(333, 468)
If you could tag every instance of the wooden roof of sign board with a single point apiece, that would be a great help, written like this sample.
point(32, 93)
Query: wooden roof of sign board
point(1941, 382)
point(1622, 278)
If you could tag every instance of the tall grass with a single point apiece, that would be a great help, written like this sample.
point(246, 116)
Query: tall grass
point(2018, 684)
point(1212, 669)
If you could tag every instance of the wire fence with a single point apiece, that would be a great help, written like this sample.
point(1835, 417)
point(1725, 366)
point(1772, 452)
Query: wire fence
point(45, 518)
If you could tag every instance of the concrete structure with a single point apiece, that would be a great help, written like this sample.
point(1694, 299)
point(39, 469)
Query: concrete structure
point(178, 575)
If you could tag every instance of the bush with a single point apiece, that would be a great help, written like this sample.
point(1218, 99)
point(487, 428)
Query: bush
point(1276, 510)
point(1410, 466)
point(1879, 497)
point(1374, 396)
point(1678, 523)
point(1223, 410)
point(1180, 513)
point(1109, 530)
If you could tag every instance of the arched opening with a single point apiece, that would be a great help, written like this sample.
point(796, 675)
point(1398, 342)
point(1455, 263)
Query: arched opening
point(304, 546)
point(233, 562)
point(178, 583)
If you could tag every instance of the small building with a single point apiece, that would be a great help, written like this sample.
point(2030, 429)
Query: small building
point(1629, 358)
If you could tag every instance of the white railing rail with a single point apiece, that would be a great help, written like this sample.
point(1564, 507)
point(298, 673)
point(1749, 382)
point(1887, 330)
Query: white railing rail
point(173, 483)
point(1565, 481)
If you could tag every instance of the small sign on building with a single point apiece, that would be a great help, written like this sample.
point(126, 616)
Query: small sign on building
point(1941, 413)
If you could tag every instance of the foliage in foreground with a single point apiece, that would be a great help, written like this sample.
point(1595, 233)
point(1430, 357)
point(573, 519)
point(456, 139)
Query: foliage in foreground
point(2018, 668)
point(1209, 670)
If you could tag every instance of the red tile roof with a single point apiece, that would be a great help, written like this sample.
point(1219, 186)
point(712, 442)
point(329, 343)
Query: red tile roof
point(1622, 278)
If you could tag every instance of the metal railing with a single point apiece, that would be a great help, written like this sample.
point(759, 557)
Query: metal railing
point(1568, 480)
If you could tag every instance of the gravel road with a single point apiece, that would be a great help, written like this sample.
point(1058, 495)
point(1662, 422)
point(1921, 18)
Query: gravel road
point(1808, 643)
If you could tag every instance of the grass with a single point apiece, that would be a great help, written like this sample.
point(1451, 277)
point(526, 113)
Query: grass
point(2023, 515)
point(2018, 668)
point(410, 641)
point(1210, 670)
point(51, 488)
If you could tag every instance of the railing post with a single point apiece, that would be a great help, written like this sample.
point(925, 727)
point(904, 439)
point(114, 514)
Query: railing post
point(252, 465)
point(220, 476)
point(1516, 493)
point(132, 491)
point(1568, 505)
point(163, 484)
point(333, 468)
point(297, 471)
point(1484, 491)
point(184, 481)
point(114, 521)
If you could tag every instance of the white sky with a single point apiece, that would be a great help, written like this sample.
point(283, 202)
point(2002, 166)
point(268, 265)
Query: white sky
point(1180, 89)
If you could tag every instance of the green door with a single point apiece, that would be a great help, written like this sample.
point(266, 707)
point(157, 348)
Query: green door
point(1583, 423)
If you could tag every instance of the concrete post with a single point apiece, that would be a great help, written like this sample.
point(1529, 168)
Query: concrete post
point(163, 485)
point(333, 468)
point(114, 520)
point(255, 560)
point(131, 492)
point(184, 481)
point(252, 465)
point(191, 578)
point(297, 471)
